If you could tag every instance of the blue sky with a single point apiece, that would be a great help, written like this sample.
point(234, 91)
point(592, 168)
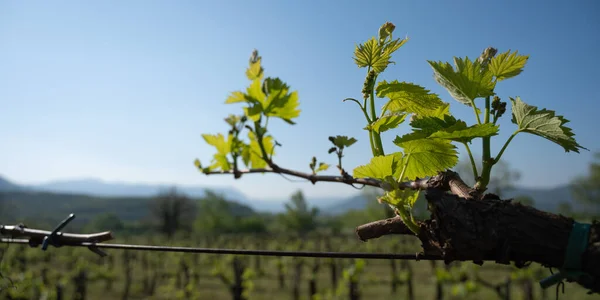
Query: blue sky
point(122, 91)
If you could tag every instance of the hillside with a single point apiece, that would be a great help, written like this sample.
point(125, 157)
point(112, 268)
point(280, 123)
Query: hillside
point(90, 195)
point(20, 206)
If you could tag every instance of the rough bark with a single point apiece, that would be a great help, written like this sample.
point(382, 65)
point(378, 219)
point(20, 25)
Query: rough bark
point(471, 227)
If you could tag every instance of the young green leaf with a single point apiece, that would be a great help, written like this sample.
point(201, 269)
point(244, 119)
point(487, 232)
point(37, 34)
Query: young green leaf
point(255, 94)
point(255, 154)
point(507, 65)
point(427, 156)
point(543, 123)
point(223, 148)
point(432, 124)
point(379, 167)
point(322, 167)
point(218, 141)
point(459, 132)
point(342, 141)
point(253, 112)
point(398, 197)
point(280, 102)
point(386, 123)
point(236, 97)
point(408, 98)
point(469, 81)
point(375, 55)
point(255, 70)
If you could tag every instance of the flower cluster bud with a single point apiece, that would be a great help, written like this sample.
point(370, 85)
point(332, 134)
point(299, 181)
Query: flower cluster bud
point(498, 107)
point(487, 56)
point(386, 30)
point(368, 85)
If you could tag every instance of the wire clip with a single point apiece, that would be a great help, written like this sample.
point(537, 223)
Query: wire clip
point(55, 237)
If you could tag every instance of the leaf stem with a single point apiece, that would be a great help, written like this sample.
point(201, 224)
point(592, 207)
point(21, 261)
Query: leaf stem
point(404, 215)
point(372, 142)
point(362, 108)
point(473, 165)
point(404, 168)
point(497, 159)
point(376, 135)
point(487, 162)
point(475, 111)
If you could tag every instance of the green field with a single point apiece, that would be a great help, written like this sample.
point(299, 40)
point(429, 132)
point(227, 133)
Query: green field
point(29, 273)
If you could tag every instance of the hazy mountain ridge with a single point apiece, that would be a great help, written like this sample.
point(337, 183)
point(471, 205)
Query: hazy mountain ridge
point(546, 199)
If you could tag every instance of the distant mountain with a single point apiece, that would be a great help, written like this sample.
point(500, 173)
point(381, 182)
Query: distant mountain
point(546, 199)
point(96, 187)
point(6, 185)
point(356, 202)
point(52, 207)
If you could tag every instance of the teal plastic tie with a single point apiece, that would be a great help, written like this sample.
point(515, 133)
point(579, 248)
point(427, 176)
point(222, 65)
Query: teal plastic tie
point(578, 241)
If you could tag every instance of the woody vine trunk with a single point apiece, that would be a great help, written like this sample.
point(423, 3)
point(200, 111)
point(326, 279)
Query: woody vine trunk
point(476, 228)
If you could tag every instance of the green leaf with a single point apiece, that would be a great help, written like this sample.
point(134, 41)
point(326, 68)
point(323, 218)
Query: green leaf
point(223, 148)
point(236, 97)
point(408, 98)
point(507, 65)
point(255, 94)
point(427, 156)
point(459, 132)
point(322, 167)
point(246, 155)
point(375, 55)
point(218, 141)
point(398, 197)
point(255, 154)
point(253, 112)
point(413, 136)
point(255, 70)
point(432, 124)
point(280, 102)
point(386, 123)
point(379, 167)
point(469, 81)
point(452, 129)
point(392, 46)
point(544, 123)
point(342, 141)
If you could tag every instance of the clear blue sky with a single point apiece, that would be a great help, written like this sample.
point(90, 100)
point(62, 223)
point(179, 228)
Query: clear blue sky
point(122, 91)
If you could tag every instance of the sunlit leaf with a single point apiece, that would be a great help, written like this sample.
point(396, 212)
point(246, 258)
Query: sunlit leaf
point(255, 154)
point(280, 102)
point(255, 70)
point(459, 132)
point(322, 167)
point(255, 94)
point(408, 98)
point(427, 156)
point(379, 167)
point(386, 123)
point(467, 81)
point(375, 55)
point(452, 129)
point(236, 97)
point(507, 65)
point(544, 123)
point(223, 149)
